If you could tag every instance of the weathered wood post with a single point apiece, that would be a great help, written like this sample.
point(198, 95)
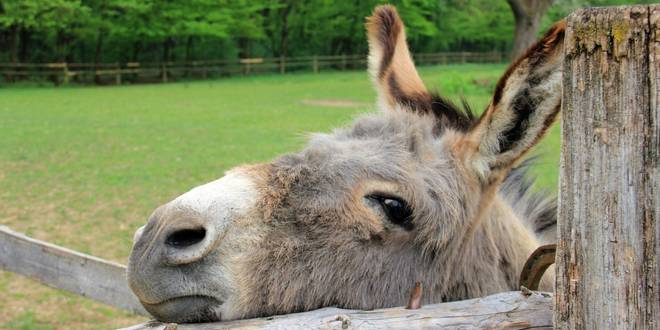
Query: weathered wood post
point(163, 72)
point(65, 73)
point(315, 64)
point(204, 68)
point(134, 69)
point(608, 270)
point(117, 73)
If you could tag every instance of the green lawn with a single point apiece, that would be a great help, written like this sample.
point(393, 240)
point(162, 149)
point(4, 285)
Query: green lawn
point(83, 167)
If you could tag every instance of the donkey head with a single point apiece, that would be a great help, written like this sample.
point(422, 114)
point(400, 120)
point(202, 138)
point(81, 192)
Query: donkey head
point(357, 217)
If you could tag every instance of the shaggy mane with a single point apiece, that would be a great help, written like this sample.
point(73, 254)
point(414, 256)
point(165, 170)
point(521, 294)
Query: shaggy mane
point(538, 211)
point(451, 115)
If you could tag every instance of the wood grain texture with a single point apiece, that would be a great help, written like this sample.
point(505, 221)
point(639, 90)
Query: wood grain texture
point(508, 310)
point(607, 257)
point(61, 268)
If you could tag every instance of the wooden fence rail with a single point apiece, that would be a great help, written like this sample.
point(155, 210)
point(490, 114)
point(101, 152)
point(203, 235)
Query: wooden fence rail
point(506, 310)
point(105, 282)
point(118, 73)
point(61, 268)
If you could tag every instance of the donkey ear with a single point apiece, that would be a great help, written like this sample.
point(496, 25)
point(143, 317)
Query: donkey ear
point(391, 67)
point(525, 103)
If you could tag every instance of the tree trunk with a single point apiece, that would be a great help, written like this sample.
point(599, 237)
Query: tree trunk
point(243, 47)
point(608, 270)
point(82, 51)
point(63, 45)
point(189, 55)
point(24, 53)
point(13, 43)
point(528, 15)
point(137, 47)
point(167, 45)
point(524, 34)
point(98, 53)
point(135, 56)
point(190, 49)
point(284, 30)
point(13, 49)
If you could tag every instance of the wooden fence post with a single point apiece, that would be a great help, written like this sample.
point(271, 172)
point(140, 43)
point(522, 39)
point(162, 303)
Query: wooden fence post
point(315, 64)
point(608, 272)
point(163, 72)
point(58, 267)
point(65, 73)
point(282, 65)
point(117, 74)
point(420, 59)
point(134, 69)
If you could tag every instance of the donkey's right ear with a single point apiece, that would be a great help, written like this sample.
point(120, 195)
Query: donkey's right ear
point(526, 102)
point(391, 67)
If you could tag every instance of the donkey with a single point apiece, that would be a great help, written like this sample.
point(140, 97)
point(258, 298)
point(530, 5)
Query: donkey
point(422, 191)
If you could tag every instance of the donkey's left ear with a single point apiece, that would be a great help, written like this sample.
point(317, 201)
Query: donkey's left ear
point(525, 103)
point(391, 67)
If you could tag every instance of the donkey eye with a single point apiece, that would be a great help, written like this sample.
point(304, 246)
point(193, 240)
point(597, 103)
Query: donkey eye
point(396, 209)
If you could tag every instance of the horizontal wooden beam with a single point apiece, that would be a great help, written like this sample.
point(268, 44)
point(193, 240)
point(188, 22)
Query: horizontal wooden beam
point(65, 269)
point(105, 282)
point(507, 310)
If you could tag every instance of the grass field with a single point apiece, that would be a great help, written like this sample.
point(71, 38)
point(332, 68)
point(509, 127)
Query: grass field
point(83, 167)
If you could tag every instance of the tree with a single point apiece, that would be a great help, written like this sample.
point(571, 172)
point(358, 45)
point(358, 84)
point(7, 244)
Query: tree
point(247, 23)
point(23, 18)
point(108, 19)
point(528, 15)
point(475, 25)
point(276, 26)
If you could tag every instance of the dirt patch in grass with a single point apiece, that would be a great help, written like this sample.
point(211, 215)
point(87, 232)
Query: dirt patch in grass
point(336, 103)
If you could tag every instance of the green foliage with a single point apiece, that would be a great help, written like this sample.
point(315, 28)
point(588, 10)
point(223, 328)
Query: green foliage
point(152, 30)
point(477, 24)
point(562, 8)
point(155, 30)
point(41, 14)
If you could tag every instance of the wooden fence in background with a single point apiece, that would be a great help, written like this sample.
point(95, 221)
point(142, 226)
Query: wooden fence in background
point(118, 73)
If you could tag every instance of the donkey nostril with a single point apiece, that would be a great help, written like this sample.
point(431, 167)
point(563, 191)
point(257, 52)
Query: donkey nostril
point(185, 237)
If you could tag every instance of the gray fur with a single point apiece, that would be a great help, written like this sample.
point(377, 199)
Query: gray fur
point(537, 207)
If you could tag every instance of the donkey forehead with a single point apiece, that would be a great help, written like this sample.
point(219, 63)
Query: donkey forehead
point(395, 147)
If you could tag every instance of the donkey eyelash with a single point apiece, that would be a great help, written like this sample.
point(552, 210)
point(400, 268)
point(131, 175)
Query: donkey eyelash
point(396, 209)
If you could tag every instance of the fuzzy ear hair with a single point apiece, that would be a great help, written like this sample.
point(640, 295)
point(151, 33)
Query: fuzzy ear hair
point(391, 67)
point(525, 103)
